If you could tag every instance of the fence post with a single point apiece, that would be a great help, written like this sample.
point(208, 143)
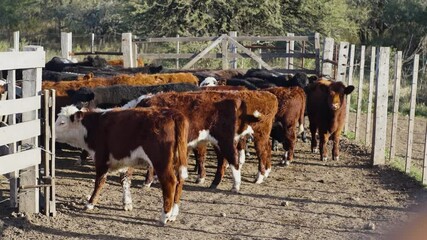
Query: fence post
point(381, 100)
point(360, 92)
point(177, 52)
point(342, 62)
point(92, 42)
point(128, 61)
point(412, 113)
point(425, 160)
point(317, 52)
point(233, 49)
point(396, 97)
point(66, 45)
point(31, 86)
point(16, 40)
point(370, 93)
point(328, 56)
point(290, 48)
point(350, 82)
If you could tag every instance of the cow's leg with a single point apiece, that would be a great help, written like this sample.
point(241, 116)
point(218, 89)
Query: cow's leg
point(313, 130)
point(336, 147)
point(220, 169)
point(149, 177)
point(324, 137)
point(177, 198)
point(289, 143)
point(168, 182)
point(263, 150)
point(125, 180)
point(200, 155)
point(227, 149)
point(101, 177)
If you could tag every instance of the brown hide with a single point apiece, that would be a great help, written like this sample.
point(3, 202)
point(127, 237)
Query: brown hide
point(161, 132)
point(292, 102)
point(326, 108)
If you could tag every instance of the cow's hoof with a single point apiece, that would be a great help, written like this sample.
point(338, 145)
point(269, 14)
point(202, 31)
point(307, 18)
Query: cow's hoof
point(259, 179)
point(89, 207)
point(324, 159)
point(236, 188)
point(200, 180)
point(128, 207)
point(315, 150)
point(287, 163)
point(148, 185)
point(336, 158)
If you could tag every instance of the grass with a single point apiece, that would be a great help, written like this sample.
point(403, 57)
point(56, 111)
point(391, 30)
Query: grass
point(350, 135)
point(399, 164)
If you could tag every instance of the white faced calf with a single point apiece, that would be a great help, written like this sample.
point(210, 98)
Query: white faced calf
point(119, 139)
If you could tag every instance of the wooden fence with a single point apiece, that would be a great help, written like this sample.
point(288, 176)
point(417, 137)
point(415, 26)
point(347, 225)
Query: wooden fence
point(384, 82)
point(233, 48)
point(22, 130)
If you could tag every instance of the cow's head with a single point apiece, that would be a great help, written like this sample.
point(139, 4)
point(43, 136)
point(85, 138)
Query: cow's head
point(81, 97)
point(69, 128)
point(336, 92)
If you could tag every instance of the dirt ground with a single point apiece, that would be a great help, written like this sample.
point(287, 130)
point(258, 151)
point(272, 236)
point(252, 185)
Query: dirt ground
point(310, 199)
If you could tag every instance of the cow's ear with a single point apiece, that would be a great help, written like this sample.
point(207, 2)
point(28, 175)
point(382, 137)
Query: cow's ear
point(78, 116)
point(348, 89)
point(312, 79)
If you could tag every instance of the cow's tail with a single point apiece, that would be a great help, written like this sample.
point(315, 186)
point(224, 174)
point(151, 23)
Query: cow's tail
point(181, 139)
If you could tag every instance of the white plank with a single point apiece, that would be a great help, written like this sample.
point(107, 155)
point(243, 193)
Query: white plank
point(360, 92)
point(20, 160)
point(342, 62)
point(381, 102)
point(233, 49)
point(396, 97)
point(424, 181)
point(350, 82)
point(22, 60)
point(328, 54)
point(204, 52)
point(127, 50)
point(19, 132)
point(412, 113)
point(368, 130)
point(66, 44)
point(19, 105)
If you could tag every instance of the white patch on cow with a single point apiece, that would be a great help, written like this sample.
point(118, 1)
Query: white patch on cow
point(237, 178)
point(89, 206)
point(324, 159)
point(165, 217)
point(175, 212)
point(134, 103)
point(247, 132)
point(260, 178)
point(127, 196)
point(204, 136)
point(267, 173)
point(2, 83)
point(209, 81)
point(200, 180)
point(301, 129)
point(242, 157)
point(73, 133)
point(257, 114)
point(135, 158)
point(183, 172)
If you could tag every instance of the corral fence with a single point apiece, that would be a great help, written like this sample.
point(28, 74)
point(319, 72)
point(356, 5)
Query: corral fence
point(376, 122)
point(26, 135)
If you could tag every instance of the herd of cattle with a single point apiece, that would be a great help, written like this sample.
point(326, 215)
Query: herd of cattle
point(154, 119)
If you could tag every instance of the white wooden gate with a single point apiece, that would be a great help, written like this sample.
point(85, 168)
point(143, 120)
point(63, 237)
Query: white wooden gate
point(22, 131)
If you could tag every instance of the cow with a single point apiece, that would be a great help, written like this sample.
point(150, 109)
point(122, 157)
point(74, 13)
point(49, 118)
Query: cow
point(292, 102)
point(326, 108)
point(118, 139)
point(117, 95)
point(260, 101)
point(218, 118)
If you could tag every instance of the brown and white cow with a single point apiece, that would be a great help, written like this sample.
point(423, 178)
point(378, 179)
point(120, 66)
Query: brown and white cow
point(292, 102)
point(262, 102)
point(326, 108)
point(118, 139)
point(215, 117)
